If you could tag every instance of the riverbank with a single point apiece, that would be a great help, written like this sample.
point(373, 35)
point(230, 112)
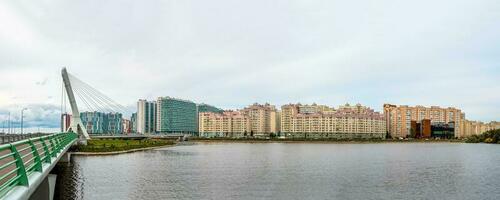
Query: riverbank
point(118, 146)
point(255, 140)
point(118, 152)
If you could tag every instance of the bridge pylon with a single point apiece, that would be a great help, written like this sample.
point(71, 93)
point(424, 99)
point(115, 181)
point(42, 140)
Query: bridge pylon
point(75, 123)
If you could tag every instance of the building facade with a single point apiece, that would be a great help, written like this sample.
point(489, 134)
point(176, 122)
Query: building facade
point(347, 122)
point(102, 123)
point(127, 126)
point(146, 116)
point(208, 108)
point(233, 124)
point(65, 122)
point(263, 119)
point(477, 128)
point(176, 116)
point(133, 122)
point(398, 118)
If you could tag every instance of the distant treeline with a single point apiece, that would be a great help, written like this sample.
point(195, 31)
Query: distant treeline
point(492, 136)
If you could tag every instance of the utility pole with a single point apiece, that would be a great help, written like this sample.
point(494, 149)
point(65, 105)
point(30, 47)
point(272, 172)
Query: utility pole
point(22, 116)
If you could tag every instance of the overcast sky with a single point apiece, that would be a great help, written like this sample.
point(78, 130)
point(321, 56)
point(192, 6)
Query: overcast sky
point(233, 53)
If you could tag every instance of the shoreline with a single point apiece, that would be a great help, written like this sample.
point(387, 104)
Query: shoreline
point(81, 153)
point(321, 141)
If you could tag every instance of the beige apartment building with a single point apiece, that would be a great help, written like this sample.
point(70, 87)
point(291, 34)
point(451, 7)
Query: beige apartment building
point(320, 121)
point(263, 119)
point(226, 124)
point(477, 128)
point(399, 117)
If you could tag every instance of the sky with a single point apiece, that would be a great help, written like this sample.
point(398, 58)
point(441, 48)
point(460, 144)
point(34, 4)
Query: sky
point(233, 53)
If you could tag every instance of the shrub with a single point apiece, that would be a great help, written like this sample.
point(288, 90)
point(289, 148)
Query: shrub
point(492, 136)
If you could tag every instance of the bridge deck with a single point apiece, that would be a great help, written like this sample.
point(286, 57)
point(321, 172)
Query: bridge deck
point(24, 164)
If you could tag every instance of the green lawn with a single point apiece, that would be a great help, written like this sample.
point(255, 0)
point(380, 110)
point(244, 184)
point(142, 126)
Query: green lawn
point(108, 145)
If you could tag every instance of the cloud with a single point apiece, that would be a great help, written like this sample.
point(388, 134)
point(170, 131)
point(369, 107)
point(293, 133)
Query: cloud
point(231, 54)
point(35, 115)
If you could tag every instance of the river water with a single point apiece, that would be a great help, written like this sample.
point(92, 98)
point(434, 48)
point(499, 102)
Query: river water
point(288, 171)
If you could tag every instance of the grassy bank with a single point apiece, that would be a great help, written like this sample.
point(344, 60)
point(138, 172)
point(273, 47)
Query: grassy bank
point(110, 145)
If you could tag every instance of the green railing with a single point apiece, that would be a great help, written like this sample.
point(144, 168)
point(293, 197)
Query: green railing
point(20, 159)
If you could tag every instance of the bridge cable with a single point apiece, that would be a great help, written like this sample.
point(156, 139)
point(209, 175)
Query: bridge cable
point(104, 99)
point(80, 89)
point(97, 97)
point(89, 108)
point(98, 100)
point(93, 101)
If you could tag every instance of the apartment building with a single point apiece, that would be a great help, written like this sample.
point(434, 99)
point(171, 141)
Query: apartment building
point(319, 121)
point(232, 124)
point(477, 128)
point(263, 119)
point(399, 118)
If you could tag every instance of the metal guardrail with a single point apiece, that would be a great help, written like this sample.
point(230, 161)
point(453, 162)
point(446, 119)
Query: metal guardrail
point(9, 138)
point(18, 160)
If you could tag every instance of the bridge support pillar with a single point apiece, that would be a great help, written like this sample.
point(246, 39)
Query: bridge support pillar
point(66, 157)
point(82, 141)
point(46, 189)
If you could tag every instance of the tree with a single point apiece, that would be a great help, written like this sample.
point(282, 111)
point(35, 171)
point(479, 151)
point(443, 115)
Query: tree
point(412, 133)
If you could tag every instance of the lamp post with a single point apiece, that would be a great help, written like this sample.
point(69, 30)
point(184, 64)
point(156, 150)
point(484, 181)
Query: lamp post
point(22, 116)
point(9, 122)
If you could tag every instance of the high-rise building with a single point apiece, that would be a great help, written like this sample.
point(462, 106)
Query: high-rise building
point(146, 116)
point(133, 122)
point(115, 123)
point(287, 113)
point(127, 126)
point(102, 123)
point(65, 122)
point(94, 122)
point(176, 116)
point(317, 121)
point(226, 124)
point(398, 118)
point(208, 108)
point(263, 119)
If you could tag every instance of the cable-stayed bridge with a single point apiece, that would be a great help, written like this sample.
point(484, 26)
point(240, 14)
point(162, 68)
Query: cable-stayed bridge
point(25, 165)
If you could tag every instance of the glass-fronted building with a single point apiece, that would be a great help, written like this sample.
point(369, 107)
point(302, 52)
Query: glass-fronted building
point(102, 123)
point(176, 116)
point(208, 108)
point(115, 123)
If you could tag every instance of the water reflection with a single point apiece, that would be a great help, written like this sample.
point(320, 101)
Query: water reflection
point(69, 182)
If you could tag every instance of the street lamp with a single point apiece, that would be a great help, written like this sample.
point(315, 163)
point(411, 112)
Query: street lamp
point(9, 122)
point(22, 116)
